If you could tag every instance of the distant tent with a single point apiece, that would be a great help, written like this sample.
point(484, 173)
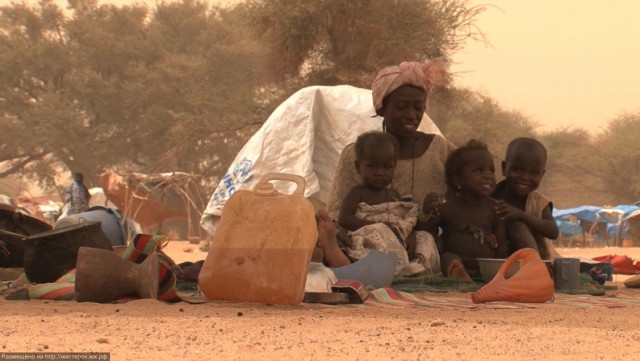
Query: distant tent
point(145, 198)
point(568, 228)
point(608, 224)
point(587, 213)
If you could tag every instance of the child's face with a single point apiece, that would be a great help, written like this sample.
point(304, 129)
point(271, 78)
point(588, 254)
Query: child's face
point(478, 176)
point(523, 169)
point(377, 167)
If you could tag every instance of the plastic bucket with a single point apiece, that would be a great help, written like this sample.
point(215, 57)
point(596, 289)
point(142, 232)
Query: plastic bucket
point(566, 274)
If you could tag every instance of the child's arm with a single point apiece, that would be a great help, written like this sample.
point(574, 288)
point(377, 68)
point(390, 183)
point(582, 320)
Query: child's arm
point(549, 227)
point(431, 224)
point(347, 218)
point(429, 217)
point(545, 226)
point(500, 232)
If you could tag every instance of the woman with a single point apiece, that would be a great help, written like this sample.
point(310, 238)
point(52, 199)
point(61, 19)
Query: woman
point(399, 96)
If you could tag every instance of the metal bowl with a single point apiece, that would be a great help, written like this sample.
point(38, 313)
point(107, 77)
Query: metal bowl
point(489, 268)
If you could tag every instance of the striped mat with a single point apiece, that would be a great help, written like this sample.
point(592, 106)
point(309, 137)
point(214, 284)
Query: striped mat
point(387, 297)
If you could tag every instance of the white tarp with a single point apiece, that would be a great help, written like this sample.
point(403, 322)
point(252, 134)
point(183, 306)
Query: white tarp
point(303, 136)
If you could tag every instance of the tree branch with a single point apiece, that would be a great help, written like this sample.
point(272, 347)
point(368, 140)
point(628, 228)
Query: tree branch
point(19, 164)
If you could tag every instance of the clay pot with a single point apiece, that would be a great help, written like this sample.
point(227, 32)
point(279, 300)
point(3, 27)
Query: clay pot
point(102, 276)
point(531, 284)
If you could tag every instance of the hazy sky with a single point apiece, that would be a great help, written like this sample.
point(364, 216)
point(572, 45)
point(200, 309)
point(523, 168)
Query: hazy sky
point(563, 63)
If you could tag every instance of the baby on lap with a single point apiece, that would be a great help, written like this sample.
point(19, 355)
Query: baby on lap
point(374, 216)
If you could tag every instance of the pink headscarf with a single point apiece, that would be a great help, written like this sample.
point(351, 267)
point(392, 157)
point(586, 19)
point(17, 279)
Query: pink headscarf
point(423, 75)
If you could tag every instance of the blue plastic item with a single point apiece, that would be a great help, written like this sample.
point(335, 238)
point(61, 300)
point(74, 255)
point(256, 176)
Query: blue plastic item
point(375, 270)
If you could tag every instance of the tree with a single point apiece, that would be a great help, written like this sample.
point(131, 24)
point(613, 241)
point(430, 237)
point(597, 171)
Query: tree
point(329, 42)
point(570, 177)
point(124, 88)
point(619, 158)
point(462, 115)
point(597, 169)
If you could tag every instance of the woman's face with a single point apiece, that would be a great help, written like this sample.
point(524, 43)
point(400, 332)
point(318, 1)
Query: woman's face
point(403, 110)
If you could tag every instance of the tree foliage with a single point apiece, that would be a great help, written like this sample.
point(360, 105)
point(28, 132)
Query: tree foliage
point(617, 161)
point(124, 87)
point(334, 42)
point(462, 115)
point(182, 85)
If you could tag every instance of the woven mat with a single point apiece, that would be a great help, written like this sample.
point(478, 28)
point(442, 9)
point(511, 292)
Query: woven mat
point(386, 297)
point(433, 283)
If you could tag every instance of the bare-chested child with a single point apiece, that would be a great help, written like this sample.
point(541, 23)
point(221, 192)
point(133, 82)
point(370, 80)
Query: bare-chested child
point(527, 212)
point(469, 226)
point(372, 213)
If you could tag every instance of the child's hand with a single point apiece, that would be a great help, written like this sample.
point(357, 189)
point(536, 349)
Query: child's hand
point(431, 204)
point(507, 212)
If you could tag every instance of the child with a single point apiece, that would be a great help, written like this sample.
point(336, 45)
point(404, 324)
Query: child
point(77, 195)
point(469, 225)
point(373, 215)
point(526, 211)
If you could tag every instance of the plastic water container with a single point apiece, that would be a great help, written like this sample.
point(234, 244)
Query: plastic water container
point(262, 247)
point(566, 274)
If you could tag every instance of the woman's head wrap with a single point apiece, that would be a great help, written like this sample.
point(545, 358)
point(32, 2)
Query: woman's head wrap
point(422, 75)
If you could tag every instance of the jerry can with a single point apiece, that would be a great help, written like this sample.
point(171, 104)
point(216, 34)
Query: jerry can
point(530, 284)
point(262, 247)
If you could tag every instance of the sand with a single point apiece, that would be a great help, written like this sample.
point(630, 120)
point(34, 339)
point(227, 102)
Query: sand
point(151, 330)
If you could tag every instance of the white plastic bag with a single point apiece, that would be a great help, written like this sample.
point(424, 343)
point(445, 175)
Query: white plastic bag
point(304, 136)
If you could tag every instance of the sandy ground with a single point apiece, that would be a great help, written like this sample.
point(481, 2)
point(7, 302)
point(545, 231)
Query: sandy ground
point(151, 330)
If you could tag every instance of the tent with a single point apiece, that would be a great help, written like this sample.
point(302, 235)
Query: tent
point(145, 198)
point(587, 213)
point(612, 223)
point(303, 136)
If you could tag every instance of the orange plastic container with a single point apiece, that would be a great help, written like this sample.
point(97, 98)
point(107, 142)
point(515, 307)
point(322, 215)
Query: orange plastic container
point(262, 247)
point(530, 284)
